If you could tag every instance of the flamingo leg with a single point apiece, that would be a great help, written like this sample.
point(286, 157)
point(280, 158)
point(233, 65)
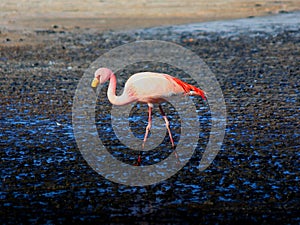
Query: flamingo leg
point(169, 131)
point(150, 106)
point(167, 125)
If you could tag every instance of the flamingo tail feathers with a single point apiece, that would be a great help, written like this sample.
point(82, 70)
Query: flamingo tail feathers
point(190, 89)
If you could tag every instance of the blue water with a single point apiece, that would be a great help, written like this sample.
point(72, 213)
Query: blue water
point(41, 167)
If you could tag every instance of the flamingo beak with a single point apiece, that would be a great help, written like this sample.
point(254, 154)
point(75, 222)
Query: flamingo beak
point(95, 83)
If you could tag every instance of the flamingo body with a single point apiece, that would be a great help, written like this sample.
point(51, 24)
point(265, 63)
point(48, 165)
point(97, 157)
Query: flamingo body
point(146, 87)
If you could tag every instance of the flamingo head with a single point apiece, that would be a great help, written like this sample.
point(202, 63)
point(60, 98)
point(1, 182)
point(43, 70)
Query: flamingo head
point(101, 76)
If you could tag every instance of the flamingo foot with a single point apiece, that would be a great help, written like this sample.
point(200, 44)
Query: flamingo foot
point(138, 163)
point(177, 157)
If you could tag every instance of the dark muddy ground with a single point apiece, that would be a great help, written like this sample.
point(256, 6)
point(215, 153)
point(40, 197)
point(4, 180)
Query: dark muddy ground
point(253, 180)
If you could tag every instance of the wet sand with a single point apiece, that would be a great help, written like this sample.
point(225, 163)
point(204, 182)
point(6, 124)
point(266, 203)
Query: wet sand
point(19, 19)
point(253, 180)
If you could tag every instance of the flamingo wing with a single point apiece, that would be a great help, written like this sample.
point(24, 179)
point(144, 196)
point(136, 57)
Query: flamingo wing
point(152, 87)
point(189, 89)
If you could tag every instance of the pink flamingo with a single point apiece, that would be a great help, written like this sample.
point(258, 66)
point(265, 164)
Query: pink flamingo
point(146, 87)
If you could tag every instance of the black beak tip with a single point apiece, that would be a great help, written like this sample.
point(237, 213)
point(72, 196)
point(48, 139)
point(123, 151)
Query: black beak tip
point(94, 89)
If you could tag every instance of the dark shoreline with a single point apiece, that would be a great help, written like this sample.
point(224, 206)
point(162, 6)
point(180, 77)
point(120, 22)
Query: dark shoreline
point(253, 180)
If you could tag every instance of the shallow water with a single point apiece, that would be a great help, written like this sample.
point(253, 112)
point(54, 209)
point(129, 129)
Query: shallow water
point(253, 179)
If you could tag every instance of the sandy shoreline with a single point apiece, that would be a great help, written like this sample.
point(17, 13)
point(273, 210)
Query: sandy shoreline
point(20, 19)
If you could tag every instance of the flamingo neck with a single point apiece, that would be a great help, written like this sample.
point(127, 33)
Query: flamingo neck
point(111, 93)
